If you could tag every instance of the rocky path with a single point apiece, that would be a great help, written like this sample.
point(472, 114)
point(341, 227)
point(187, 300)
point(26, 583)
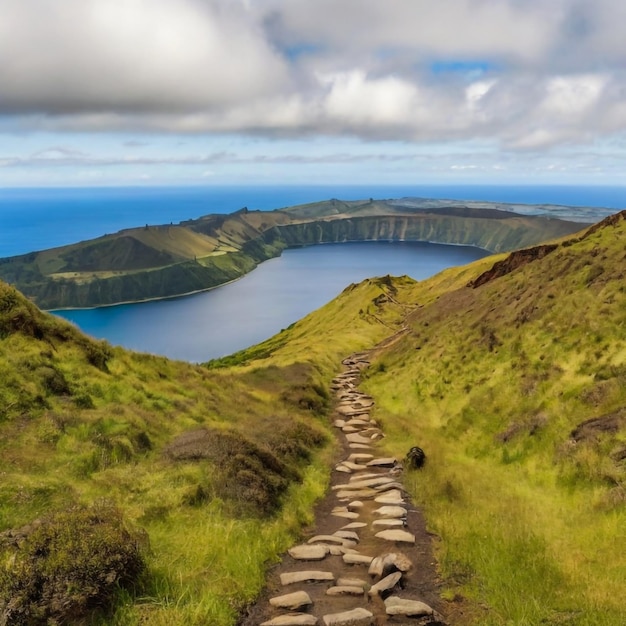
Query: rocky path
point(368, 562)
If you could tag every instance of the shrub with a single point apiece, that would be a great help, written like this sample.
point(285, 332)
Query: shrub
point(59, 569)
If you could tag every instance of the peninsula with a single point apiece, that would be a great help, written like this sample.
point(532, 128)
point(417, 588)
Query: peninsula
point(162, 261)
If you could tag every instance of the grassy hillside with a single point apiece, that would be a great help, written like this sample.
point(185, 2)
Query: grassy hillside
point(163, 261)
point(509, 372)
point(514, 382)
point(197, 477)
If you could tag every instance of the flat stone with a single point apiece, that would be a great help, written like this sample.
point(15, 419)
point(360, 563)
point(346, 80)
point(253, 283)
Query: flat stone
point(383, 462)
point(293, 619)
point(387, 583)
point(292, 601)
point(350, 429)
point(360, 477)
point(353, 467)
point(413, 608)
point(308, 553)
point(289, 578)
point(390, 499)
point(359, 493)
point(396, 535)
point(358, 422)
point(346, 514)
point(362, 456)
point(339, 550)
point(343, 468)
point(352, 525)
point(339, 423)
point(327, 539)
point(347, 534)
point(356, 617)
point(391, 511)
point(357, 559)
point(357, 438)
point(353, 582)
point(360, 446)
point(366, 482)
point(355, 504)
point(388, 522)
point(394, 484)
point(345, 590)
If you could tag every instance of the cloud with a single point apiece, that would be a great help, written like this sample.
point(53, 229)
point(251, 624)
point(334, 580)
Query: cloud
point(529, 74)
point(129, 56)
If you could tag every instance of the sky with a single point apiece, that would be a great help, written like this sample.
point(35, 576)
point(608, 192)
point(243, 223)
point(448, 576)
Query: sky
point(209, 92)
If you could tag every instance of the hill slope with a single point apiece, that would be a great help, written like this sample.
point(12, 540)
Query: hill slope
point(163, 261)
point(515, 385)
point(509, 372)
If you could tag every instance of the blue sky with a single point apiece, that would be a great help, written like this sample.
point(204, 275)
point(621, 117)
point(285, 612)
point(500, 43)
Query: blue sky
point(136, 92)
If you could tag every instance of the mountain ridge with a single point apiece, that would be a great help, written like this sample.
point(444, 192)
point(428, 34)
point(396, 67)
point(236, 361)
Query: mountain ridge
point(154, 262)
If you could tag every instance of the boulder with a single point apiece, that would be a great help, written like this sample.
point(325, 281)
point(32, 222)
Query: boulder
point(389, 510)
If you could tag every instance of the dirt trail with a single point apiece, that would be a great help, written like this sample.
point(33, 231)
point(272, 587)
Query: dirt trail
point(365, 578)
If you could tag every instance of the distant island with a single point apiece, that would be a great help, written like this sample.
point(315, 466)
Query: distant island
point(152, 262)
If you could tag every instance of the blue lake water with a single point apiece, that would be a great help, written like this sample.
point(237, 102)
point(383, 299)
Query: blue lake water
point(278, 292)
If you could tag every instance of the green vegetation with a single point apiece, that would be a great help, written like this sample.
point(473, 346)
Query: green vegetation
point(164, 261)
point(516, 390)
point(510, 373)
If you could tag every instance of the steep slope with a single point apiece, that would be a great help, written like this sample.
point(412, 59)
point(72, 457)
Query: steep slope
point(515, 385)
point(164, 261)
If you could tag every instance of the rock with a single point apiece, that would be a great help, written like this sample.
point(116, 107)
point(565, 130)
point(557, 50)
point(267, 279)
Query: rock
point(345, 590)
point(390, 499)
point(364, 476)
point(290, 578)
point(357, 559)
point(356, 617)
point(362, 456)
point(328, 539)
point(355, 467)
point(396, 535)
point(413, 608)
point(293, 619)
point(353, 582)
point(387, 583)
point(386, 564)
point(352, 525)
point(350, 429)
point(346, 515)
point(292, 601)
point(347, 534)
point(308, 553)
point(394, 484)
point(360, 446)
point(339, 423)
point(355, 504)
point(357, 438)
point(358, 422)
point(383, 462)
point(343, 468)
point(391, 511)
point(360, 493)
point(363, 483)
point(388, 522)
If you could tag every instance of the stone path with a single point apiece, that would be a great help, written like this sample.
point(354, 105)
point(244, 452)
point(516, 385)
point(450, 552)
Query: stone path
point(363, 567)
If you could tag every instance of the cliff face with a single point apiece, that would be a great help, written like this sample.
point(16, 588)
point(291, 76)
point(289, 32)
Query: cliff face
point(165, 261)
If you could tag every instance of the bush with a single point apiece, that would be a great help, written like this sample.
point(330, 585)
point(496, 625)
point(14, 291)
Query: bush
point(59, 569)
